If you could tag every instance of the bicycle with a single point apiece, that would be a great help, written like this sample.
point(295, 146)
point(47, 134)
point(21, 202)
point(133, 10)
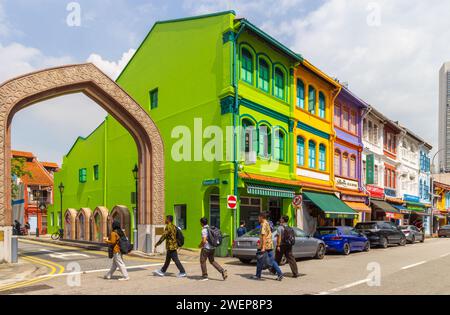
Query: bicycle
point(57, 235)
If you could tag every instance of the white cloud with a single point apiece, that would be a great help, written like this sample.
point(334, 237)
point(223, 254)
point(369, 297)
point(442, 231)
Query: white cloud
point(4, 27)
point(112, 68)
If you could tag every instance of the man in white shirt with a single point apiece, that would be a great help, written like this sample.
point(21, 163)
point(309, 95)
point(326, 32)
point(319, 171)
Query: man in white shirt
point(208, 252)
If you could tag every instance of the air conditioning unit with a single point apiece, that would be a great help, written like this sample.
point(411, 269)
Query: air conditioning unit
point(250, 158)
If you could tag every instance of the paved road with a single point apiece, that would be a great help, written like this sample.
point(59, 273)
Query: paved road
point(419, 268)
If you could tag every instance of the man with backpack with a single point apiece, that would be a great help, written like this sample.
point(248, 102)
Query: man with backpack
point(116, 252)
point(173, 236)
point(285, 242)
point(211, 238)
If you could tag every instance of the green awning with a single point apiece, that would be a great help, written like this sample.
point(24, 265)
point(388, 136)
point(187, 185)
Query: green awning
point(333, 207)
point(270, 191)
point(383, 205)
point(415, 206)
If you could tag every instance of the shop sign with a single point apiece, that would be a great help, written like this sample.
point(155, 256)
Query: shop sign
point(375, 191)
point(339, 216)
point(390, 192)
point(370, 169)
point(346, 183)
point(411, 198)
point(353, 198)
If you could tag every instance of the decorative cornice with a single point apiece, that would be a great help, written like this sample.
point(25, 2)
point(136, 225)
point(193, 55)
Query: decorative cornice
point(264, 110)
point(227, 105)
point(313, 130)
point(228, 37)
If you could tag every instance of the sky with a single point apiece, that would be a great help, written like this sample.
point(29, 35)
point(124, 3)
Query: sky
point(389, 52)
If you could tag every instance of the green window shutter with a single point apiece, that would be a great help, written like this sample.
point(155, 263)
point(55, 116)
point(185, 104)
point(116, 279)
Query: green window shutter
point(254, 140)
point(247, 66)
point(312, 100)
point(82, 175)
point(281, 147)
point(96, 172)
point(263, 82)
point(322, 105)
point(154, 99)
point(322, 158)
point(312, 154)
point(300, 151)
point(279, 84)
point(300, 94)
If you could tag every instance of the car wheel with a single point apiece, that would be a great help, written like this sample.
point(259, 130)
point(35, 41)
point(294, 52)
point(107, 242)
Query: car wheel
point(383, 242)
point(402, 242)
point(320, 252)
point(346, 250)
point(413, 239)
point(245, 261)
point(367, 247)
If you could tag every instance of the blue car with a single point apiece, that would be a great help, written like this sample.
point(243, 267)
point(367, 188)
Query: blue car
point(343, 239)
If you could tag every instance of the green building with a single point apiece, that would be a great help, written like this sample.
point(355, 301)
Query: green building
point(197, 78)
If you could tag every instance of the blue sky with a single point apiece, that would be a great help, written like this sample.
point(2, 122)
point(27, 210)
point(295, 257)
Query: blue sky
point(389, 51)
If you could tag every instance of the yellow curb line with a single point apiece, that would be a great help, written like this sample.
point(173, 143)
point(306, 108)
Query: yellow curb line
point(43, 262)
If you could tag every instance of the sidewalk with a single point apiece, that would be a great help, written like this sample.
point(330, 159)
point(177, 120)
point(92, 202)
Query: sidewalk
point(23, 270)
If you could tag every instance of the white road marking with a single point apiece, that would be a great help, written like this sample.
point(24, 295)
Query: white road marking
point(414, 265)
point(445, 255)
point(350, 285)
point(96, 271)
point(63, 256)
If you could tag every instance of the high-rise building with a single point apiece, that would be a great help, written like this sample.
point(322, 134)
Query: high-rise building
point(444, 118)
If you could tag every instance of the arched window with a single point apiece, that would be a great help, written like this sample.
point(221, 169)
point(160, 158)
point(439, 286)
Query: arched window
point(300, 151)
point(279, 146)
point(265, 139)
point(322, 105)
point(337, 115)
point(263, 77)
point(345, 118)
point(312, 154)
point(352, 166)
point(249, 140)
point(312, 100)
point(337, 162)
point(353, 122)
point(300, 94)
point(279, 84)
point(345, 165)
point(322, 157)
point(247, 66)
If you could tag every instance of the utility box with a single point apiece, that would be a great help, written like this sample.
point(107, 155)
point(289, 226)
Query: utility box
point(222, 250)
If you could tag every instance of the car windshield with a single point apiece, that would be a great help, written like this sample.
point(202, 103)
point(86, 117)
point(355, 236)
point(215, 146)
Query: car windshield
point(255, 233)
point(366, 226)
point(403, 227)
point(327, 231)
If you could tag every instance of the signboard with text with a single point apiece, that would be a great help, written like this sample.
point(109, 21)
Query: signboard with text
point(346, 183)
point(375, 191)
point(370, 169)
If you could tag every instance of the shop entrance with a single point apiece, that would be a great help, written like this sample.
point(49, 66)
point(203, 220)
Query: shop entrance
point(250, 210)
point(275, 206)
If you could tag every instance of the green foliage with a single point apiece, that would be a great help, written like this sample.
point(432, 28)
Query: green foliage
point(18, 171)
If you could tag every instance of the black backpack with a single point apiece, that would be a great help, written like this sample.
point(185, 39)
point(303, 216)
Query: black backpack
point(214, 236)
point(288, 237)
point(125, 245)
point(179, 237)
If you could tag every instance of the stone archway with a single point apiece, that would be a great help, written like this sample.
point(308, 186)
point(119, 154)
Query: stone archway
point(122, 214)
point(99, 228)
point(70, 217)
point(82, 225)
point(29, 89)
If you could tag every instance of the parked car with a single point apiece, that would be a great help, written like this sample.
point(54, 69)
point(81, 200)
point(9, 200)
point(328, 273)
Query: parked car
point(343, 239)
point(444, 231)
point(382, 233)
point(413, 234)
point(245, 247)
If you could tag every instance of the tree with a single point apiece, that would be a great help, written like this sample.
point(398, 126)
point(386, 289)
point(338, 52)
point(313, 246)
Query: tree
point(18, 171)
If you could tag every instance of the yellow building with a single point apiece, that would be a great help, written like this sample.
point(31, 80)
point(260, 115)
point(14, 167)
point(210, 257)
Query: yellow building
point(314, 97)
point(442, 205)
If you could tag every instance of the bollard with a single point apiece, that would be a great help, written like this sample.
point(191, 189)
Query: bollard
point(148, 243)
point(14, 250)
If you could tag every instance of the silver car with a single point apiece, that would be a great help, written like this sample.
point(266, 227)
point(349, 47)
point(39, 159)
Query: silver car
point(413, 234)
point(245, 247)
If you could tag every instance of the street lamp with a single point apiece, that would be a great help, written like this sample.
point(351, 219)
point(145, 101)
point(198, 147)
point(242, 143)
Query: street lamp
point(136, 210)
point(37, 195)
point(61, 191)
point(432, 192)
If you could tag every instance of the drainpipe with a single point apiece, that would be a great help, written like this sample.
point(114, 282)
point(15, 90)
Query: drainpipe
point(235, 123)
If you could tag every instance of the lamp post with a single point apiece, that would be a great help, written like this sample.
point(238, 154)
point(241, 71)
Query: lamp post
point(432, 193)
point(37, 195)
point(136, 210)
point(61, 191)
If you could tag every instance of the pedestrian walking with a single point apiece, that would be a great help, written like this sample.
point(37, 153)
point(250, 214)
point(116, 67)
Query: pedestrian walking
point(242, 230)
point(285, 243)
point(17, 228)
point(170, 236)
point(265, 250)
point(117, 258)
point(28, 228)
point(209, 238)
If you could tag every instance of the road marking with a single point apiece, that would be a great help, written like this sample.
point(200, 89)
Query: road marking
point(64, 256)
point(414, 265)
point(53, 268)
point(445, 255)
point(347, 286)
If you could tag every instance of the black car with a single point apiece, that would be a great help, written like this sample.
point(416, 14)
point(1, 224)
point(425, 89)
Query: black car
point(382, 233)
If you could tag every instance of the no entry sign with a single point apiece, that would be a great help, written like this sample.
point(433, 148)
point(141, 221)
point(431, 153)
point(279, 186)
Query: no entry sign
point(297, 201)
point(232, 202)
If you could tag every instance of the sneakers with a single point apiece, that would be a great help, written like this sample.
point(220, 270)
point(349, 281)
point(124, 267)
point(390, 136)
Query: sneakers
point(255, 278)
point(280, 278)
point(159, 273)
point(124, 279)
point(204, 279)
point(224, 275)
point(182, 275)
point(107, 277)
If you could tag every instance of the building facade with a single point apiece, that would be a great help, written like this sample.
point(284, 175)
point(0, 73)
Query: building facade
point(444, 118)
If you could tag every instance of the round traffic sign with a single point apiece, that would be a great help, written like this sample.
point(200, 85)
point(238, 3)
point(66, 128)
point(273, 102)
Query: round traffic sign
point(232, 202)
point(297, 201)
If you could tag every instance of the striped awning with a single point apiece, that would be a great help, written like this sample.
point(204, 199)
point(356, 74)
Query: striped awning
point(270, 191)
